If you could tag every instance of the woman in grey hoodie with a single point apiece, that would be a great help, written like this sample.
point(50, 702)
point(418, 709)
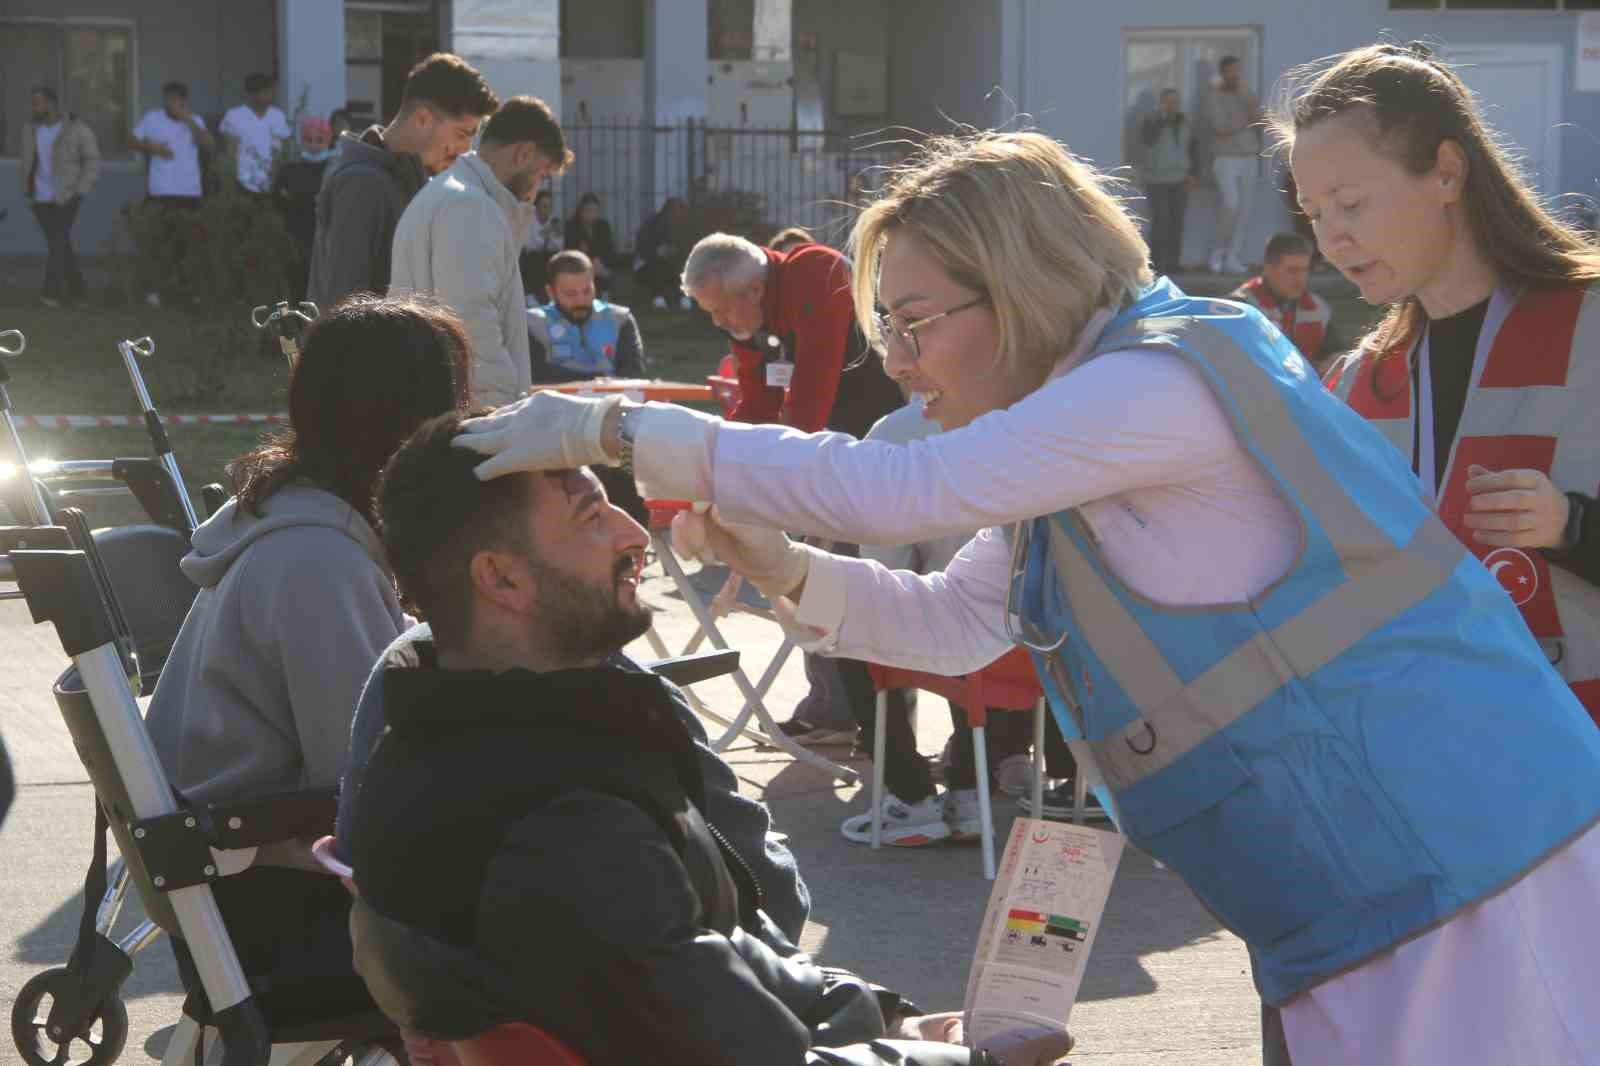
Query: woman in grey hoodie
point(296, 603)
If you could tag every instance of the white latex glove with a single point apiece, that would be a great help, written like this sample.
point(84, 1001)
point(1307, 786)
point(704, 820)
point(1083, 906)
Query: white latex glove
point(766, 558)
point(545, 431)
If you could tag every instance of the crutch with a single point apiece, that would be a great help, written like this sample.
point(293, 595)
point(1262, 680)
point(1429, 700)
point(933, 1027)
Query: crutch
point(285, 323)
point(154, 427)
point(31, 494)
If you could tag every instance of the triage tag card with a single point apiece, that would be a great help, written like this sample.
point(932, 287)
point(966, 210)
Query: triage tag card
point(1044, 912)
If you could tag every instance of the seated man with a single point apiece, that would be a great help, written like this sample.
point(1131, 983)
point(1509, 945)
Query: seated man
point(1281, 293)
point(576, 337)
point(531, 837)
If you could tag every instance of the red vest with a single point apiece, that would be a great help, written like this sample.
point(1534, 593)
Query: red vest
point(1534, 404)
point(1305, 323)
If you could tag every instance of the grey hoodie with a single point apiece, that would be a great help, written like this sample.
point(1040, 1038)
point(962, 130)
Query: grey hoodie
point(294, 608)
point(364, 192)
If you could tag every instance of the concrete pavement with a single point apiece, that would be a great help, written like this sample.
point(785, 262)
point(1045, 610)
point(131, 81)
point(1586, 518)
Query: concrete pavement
point(1165, 985)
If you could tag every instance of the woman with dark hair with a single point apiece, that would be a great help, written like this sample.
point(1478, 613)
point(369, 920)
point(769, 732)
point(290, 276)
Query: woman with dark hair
point(1484, 372)
point(591, 235)
point(296, 603)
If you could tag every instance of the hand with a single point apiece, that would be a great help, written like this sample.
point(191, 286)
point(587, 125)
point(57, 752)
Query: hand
point(766, 558)
point(1515, 508)
point(946, 1028)
point(545, 431)
point(161, 150)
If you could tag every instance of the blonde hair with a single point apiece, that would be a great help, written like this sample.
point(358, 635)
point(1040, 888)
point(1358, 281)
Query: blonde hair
point(1015, 216)
point(1411, 103)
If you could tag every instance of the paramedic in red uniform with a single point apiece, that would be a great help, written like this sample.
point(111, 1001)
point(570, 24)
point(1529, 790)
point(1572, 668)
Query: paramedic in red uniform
point(796, 349)
point(1494, 322)
point(1281, 292)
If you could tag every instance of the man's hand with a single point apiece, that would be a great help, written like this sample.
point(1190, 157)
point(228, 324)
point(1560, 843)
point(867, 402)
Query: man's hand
point(545, 431)
point(1515, 508)
point(160, 149)
point(766, 558)
point(946, 1028)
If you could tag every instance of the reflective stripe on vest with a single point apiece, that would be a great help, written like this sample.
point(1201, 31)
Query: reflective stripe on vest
point(1533, 405)
point(1307, 326)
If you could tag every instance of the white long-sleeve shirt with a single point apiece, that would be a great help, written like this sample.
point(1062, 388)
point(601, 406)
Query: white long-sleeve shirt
point(1135, 438)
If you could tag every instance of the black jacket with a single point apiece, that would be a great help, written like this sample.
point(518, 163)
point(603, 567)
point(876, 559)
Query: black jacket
point(364, 192)
point(530, 847)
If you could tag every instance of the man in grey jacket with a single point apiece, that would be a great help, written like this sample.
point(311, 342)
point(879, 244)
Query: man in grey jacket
point(460, 239)
point(374, 175)
point(60, 162)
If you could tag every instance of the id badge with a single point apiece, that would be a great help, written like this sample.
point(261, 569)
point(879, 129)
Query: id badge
point(779, 374)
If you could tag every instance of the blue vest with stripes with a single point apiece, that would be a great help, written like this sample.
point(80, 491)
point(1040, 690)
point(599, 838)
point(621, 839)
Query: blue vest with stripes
point(1372, 743)
point(590, 348)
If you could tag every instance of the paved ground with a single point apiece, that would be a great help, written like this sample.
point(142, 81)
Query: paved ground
point(1165, 984)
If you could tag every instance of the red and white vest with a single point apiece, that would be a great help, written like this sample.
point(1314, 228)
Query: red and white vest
point(1534, 403)
point(1305, 322)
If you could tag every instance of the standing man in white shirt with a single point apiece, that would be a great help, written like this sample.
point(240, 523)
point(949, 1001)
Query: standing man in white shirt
point(60, 162)
point(1235, 118)
point(171, 138)
point(459, 239)
point(252, 132)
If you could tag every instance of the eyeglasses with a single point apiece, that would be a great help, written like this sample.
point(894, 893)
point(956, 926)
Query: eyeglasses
point(906, 334)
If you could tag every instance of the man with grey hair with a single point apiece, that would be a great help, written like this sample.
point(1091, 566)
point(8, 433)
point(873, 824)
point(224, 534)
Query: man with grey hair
point(792, 323)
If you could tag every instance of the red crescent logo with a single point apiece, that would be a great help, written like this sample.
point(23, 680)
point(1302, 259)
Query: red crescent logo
point(1515, 572)
point(1041, 836)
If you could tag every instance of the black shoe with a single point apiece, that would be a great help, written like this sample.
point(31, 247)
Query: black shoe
point(1058, 804)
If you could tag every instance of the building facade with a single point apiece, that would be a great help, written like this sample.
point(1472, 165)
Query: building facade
point(810, 94)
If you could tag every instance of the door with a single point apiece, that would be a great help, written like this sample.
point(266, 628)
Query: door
point(1519, 91)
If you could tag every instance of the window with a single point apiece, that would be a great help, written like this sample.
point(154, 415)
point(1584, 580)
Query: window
point(732, 25)
point(88, 64)
point(602, 29)
point(1185, 60)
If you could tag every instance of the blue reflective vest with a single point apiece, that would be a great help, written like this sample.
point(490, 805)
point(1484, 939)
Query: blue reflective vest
point(1371, 744)
point(590, 348)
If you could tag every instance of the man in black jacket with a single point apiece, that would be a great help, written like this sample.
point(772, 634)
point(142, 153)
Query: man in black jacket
point(373, 176)
point(530, 837)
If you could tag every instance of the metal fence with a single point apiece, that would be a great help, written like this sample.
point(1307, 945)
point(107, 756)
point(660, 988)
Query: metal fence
point(755, 178)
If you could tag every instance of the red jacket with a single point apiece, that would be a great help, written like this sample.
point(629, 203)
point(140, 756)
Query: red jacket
point(807, 308)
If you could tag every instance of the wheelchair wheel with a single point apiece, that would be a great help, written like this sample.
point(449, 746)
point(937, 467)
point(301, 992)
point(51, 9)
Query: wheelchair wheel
point(98, 1045)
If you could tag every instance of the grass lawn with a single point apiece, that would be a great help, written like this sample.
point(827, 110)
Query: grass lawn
point(72, 367)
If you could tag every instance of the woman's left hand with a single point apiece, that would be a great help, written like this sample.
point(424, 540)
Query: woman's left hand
point(1515, 508)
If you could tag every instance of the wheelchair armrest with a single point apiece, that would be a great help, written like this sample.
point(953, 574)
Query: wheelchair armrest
point(688, 669)
point(274, 818)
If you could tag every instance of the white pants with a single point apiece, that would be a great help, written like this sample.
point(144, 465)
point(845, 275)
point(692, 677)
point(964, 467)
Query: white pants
point(1236, 180)
point(1511, 980)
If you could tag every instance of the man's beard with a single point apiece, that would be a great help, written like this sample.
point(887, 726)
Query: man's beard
point(579, 315)
point(584, 621)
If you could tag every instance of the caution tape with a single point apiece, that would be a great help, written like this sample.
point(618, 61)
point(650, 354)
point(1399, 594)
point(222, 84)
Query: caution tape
point(137, 421)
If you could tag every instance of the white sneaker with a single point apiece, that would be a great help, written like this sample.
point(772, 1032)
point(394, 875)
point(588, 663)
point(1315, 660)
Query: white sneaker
point(1014, 775)
point(1215, 263)
point(962, 814)
point(905, 825)
point(686, 303)
point(659, 303)
point(152, 299)
point(1236, 266)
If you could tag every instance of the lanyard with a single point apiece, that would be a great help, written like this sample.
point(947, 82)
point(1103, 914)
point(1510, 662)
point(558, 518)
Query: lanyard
point(1423, 459)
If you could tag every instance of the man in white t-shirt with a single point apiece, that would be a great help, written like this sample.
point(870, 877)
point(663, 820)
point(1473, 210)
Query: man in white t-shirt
point(253, 132)
point(171, 139)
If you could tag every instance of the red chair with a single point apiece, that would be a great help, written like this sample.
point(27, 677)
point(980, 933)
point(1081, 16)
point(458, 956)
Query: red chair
point(1007, 684)
point(514, 1044)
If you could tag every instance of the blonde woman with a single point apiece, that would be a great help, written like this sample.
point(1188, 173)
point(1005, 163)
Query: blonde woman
point(1289, 671)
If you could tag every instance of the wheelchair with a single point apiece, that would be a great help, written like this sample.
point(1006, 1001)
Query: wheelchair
point(117, 600)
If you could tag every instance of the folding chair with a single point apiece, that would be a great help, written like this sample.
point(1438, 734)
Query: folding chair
point(1007, 684)
point(706, 615)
